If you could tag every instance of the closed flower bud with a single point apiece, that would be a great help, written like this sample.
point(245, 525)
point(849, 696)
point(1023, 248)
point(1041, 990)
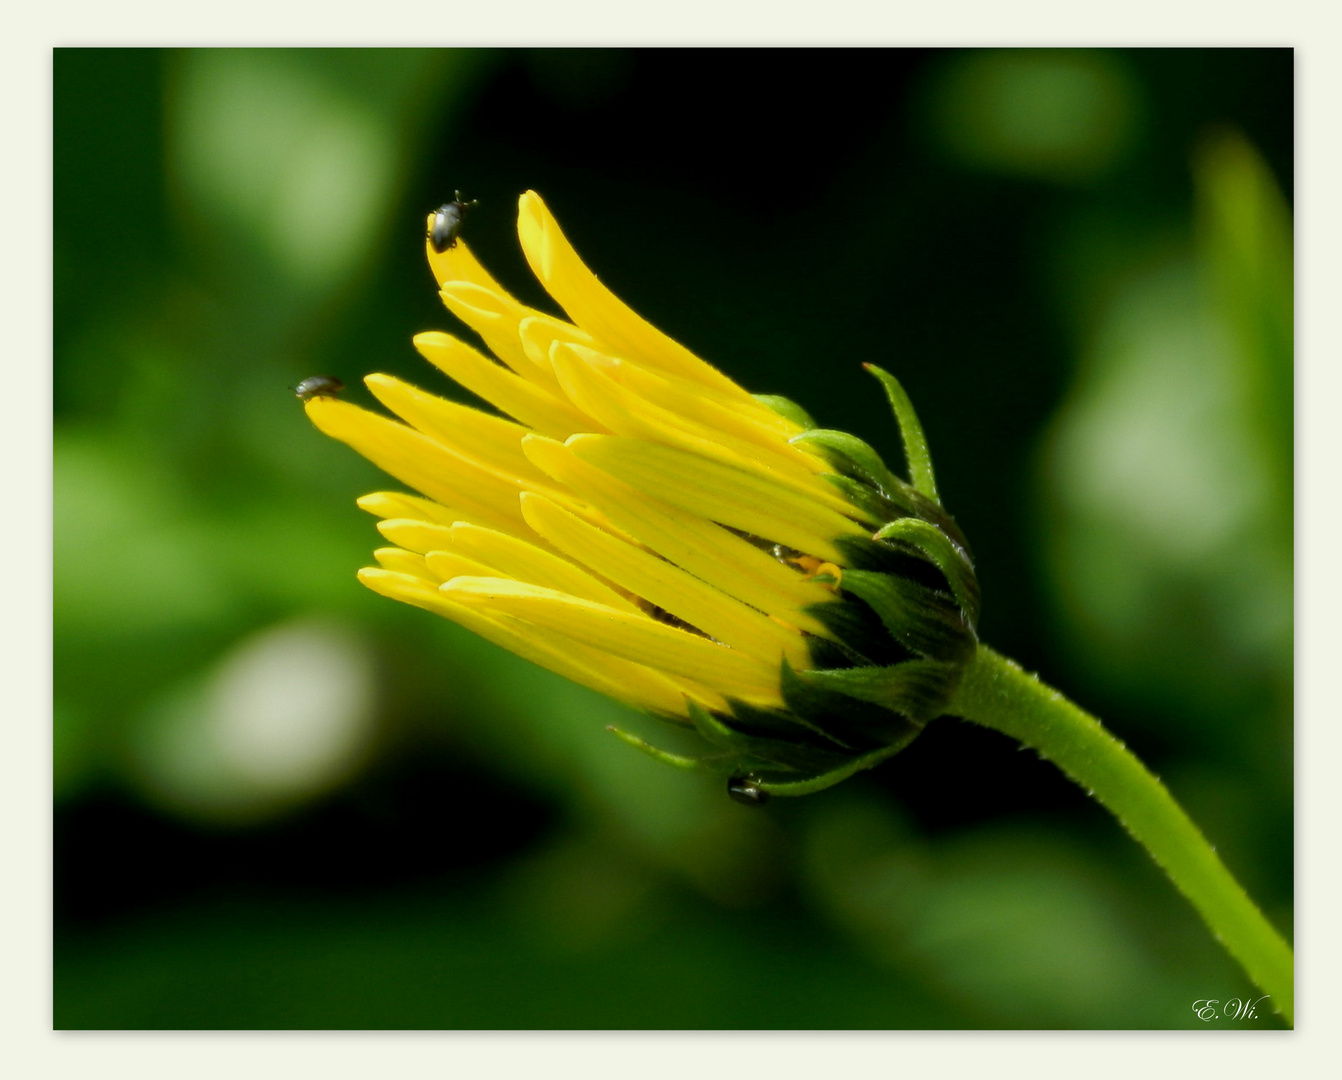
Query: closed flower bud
point(642, 525)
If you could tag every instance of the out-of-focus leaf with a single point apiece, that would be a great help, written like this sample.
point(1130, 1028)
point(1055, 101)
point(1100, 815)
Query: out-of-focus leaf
point(1169, 465)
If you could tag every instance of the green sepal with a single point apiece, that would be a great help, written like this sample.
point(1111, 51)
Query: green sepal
point(863, 553)
point(916, 453)
point(859, 630)
point(798, 756)
point(718, 764)
point(789, 725)
point(950, 558)
point(810, 785)
point(787, 409)
point(851, 457)
point(925, 621)
point(827, 653)
point(875, 507)
point(919, 689)
point(934, 513)
point(857, 719)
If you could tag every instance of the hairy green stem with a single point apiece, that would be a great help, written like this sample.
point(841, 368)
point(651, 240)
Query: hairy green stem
point(998, 694)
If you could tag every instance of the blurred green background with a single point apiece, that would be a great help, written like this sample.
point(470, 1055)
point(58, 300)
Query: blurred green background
point(282, 801)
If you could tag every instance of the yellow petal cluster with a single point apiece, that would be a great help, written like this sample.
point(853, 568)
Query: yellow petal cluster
point(620, 525)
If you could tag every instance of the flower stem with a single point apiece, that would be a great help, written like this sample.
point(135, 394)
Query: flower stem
point(998, 694)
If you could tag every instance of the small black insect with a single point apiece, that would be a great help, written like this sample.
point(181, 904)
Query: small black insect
point(744, 790)
point(318, 386)
point(447, 222)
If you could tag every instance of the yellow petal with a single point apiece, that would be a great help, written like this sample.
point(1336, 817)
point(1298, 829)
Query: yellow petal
point(608, 675)
point(586, 377)
point(596, 309)
point(721, 493)
point(448, 564)
point(526, 562)
point(495, 318)
point(424, 538)
point(662, 386)
point(406, 562)
point(634, 637)
point(416, 536)
point(760, 426)
point(489, 441)
point(667, 586)
point(458, 264)
point(705, 549)
point(471, 492)
point(526, 402)
point(538, 334)
point(396, 504)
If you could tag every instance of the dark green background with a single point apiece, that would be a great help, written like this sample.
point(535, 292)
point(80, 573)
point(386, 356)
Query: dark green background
point(1078, 263)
